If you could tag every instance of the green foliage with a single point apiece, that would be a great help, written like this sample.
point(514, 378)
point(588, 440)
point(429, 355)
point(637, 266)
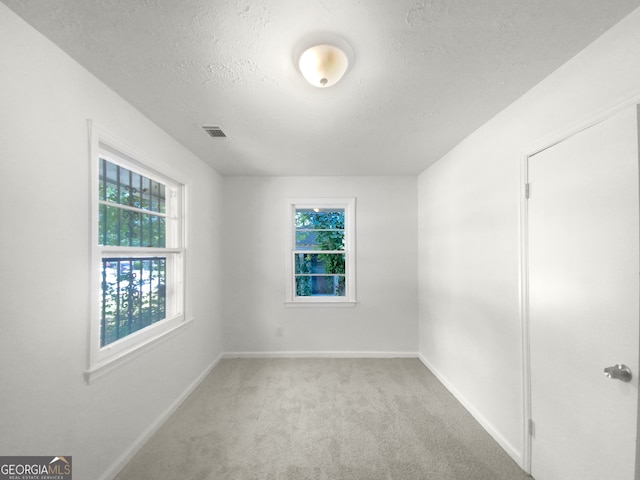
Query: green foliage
point(319, 230)
point(303, 286)
point(119, 227)
point(123, 227)
point(321, 220)
point(320, 263)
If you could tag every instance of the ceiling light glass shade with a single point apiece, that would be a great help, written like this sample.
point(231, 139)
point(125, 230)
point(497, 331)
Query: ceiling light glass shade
point(323, 65)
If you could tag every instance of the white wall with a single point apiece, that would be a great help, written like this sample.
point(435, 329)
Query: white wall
point(470, 328)
point(385, 319)
point(46, 408)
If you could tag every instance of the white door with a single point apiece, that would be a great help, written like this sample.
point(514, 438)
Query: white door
point(584, 302)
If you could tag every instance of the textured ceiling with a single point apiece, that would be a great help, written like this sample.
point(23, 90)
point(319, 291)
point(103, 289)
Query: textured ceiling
point(426, 72)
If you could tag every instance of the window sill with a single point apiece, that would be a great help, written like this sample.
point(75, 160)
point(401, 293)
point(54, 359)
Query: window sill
point(104, 368)
point(342, 304)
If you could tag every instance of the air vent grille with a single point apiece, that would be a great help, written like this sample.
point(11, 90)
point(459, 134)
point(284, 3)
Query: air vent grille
point(215, 132)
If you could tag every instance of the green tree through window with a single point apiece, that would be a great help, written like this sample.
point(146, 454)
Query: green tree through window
point(320, 261)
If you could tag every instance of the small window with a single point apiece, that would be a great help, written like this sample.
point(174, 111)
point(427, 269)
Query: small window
point(321, 256)
point(138, 254)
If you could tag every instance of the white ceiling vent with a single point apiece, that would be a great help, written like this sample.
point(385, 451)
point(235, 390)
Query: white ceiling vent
point(215, 132)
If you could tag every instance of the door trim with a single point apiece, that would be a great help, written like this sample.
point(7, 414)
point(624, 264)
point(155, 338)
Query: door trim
point(523, 287)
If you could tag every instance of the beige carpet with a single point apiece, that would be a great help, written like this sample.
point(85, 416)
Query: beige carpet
point(317, 419)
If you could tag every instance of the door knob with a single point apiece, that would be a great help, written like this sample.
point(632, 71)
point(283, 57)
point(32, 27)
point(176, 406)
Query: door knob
point(618, 372)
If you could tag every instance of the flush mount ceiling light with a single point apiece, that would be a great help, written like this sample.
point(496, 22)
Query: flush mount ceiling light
point(323, 59)
point(323, 65)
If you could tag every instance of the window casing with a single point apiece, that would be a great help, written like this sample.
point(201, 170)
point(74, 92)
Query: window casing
point(320, 259)
point(138, 253)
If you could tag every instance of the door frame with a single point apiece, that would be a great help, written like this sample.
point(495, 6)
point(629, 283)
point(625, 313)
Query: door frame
point(524, 192)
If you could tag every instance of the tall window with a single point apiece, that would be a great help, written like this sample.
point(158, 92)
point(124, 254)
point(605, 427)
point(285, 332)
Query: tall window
point(138, 254)
point(132, 214)
point(321, 255)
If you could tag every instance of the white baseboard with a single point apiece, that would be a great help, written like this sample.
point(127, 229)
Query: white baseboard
point(130, 452)
point(513, 452)
point(327, 354)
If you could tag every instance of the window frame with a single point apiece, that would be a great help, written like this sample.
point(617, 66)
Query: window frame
point(103, 360)
point(349, 206)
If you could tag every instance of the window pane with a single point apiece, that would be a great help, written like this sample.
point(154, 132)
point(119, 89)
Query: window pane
point(109, 176)
point(133, 296)
point(320, 263)
point(320, 240)
point(161, 197)
point(325, 285)
point(145, 194)
point(124, 228)
point(316, 218)
point(125, 187)
point(157, 193)
point(136, 190)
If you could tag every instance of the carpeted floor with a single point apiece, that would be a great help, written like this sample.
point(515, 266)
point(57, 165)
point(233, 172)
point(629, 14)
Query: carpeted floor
point(316, 419)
